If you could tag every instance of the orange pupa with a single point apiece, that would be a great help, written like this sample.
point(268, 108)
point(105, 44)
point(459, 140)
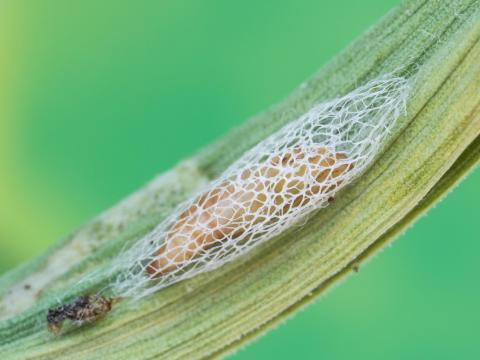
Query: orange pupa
point(290, 180)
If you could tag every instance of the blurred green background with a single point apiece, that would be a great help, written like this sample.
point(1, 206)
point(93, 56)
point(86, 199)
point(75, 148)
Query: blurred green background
point(97, 97)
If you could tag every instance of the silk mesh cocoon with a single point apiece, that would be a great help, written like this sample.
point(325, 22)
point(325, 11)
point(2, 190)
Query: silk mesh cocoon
point(274, 185)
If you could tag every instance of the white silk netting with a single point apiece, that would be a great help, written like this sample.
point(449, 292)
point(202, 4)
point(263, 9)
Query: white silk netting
point(293, 172)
